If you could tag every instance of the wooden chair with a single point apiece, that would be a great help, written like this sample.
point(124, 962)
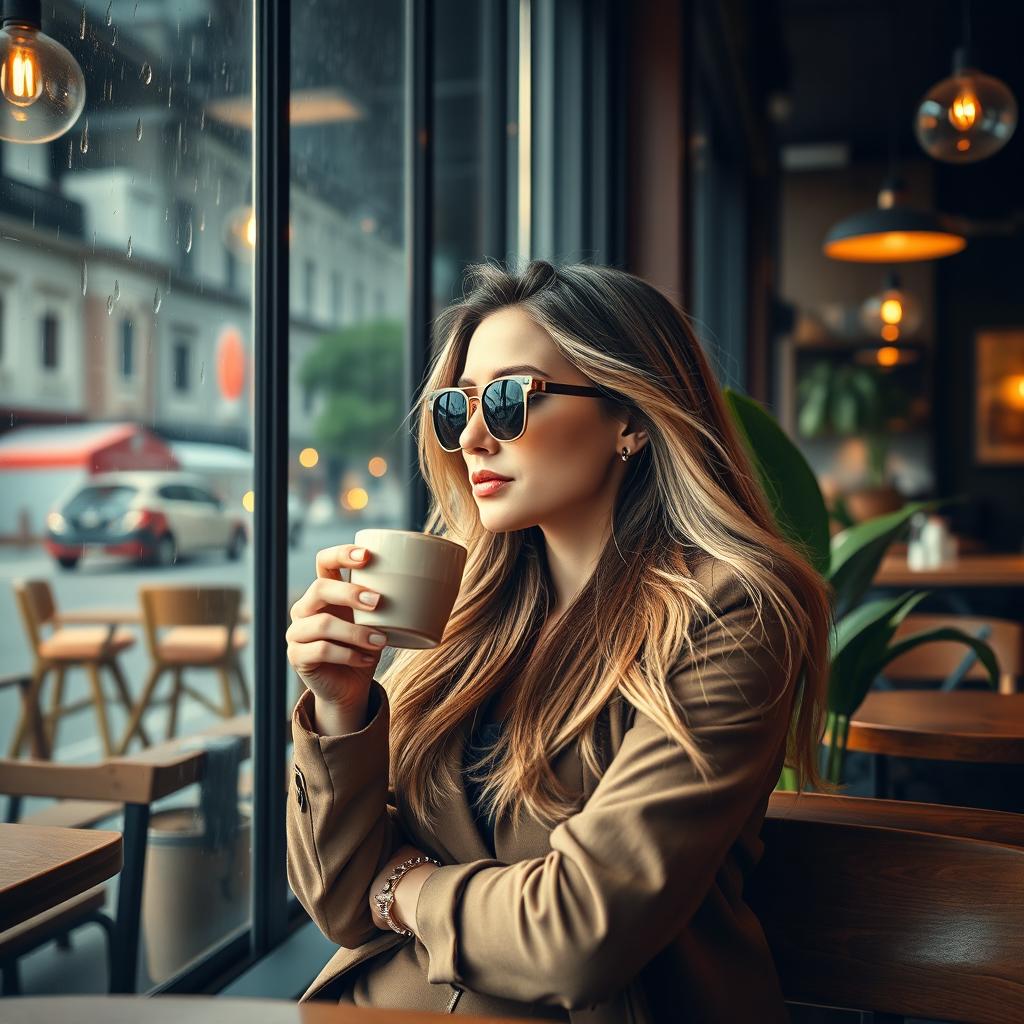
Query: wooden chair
point(91, 647)
point(901, 909)
point(953, 662)
point(202, 631)
point(134, 783)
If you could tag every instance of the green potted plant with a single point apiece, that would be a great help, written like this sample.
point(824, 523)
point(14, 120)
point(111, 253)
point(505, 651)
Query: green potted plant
point(851, 400)
point(862, 641)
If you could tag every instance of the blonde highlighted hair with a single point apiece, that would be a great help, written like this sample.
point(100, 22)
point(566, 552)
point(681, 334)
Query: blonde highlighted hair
point(691, 491)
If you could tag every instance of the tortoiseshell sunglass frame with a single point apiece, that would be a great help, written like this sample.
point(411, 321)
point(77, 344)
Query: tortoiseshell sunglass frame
point(529, 384)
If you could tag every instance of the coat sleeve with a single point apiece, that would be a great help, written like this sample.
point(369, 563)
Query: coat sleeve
point(626, 873)
point(341, 823)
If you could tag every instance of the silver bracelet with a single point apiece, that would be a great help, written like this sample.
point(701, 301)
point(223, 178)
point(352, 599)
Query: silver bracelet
point(386, 897)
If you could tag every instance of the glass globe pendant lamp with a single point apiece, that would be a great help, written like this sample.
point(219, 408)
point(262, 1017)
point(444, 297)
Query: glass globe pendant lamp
point(966, 117)
point(42, 88)
point(891, 314)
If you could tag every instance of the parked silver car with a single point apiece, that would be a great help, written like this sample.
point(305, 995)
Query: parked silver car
point(152, 516)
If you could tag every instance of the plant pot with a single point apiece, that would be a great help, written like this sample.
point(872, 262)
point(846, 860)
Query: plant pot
point(868, 502)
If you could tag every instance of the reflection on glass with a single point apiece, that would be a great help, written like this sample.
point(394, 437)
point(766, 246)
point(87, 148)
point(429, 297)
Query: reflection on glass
point(125, 452)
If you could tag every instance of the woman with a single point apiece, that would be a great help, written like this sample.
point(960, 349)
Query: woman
point(587, 755)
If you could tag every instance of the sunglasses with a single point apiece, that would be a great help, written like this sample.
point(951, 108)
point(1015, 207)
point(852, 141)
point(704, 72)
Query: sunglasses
point(505, 401)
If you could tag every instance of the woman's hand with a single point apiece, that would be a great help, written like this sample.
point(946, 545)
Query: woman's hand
point(333, 656)
point(407, 891)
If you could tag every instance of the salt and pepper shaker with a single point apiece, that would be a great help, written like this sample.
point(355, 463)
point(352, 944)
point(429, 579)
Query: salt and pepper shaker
point(931, 544)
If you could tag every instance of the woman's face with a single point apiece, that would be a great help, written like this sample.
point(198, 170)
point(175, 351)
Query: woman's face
point(567, 459)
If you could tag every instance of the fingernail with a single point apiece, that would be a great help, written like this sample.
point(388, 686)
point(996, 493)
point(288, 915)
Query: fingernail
point(369, 598)
point(359, 554)
point(378, 638)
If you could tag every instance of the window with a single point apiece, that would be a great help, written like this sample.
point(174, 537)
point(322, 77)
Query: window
point(182, 371)
point(50, 337)
point(127, 349)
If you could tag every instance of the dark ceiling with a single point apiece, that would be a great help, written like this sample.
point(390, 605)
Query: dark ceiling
point(858, 68)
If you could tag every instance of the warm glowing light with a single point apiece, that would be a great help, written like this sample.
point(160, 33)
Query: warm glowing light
point(963, 145)
point(891, 311)
point(356, 498)
point(309, 457)
point(248, 501)
point(964, 111)
point(888, 356)
point(890, 332)
point(377, 466)
point(895, 246)
point(250, 230)
point(1012, 389)
point(20, 79)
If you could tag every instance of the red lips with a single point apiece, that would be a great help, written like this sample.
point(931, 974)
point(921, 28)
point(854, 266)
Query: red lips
point(485, 474)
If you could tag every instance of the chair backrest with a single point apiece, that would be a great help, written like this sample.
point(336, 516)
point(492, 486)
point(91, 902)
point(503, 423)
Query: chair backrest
point(189, 606)
point(895, 921)
point(36, 605)
point(940, 659)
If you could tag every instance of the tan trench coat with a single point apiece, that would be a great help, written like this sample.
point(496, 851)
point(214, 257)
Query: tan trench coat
point(630, 910)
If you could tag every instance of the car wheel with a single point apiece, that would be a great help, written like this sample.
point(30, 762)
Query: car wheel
point(68, 561)
point(236, 546)
point(166, 553)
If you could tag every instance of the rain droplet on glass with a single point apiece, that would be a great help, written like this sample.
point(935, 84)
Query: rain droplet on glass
point(146, 74)
point(188, 236)
point(202, 372)
point(83, 142)
point(113, 42)
point(129, 251)
point(110, 17)
point(117, 290)
point(85, 277)
point(71, 149)
point(156, 301)
point(81, 24)
point(110, 304)
point(138, 130)
point(202, 220)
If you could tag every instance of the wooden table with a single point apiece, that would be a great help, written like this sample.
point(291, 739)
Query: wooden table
point(981, 569)
point(210, 1010)
point(959, 725)
point(42, 866)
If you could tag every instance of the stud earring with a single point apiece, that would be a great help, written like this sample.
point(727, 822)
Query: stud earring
point(625, 454)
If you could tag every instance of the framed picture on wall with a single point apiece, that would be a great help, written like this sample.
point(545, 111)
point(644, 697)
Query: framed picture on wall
point(999, 396)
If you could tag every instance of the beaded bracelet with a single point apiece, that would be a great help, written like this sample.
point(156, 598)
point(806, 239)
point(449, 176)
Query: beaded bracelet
point(386, 897)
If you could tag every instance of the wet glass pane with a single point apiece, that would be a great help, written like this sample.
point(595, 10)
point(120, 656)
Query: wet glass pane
point(125, 391)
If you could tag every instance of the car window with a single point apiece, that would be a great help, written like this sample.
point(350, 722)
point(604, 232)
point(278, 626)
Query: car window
point(109, 499)
point(174, 492)
point(199, 494)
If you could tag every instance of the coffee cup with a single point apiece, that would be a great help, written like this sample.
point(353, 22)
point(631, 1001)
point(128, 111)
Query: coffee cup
point(418, 577)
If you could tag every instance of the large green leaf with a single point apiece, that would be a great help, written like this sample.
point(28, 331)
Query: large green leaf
point(858, 550)
point(858, 645)
point(787, 479)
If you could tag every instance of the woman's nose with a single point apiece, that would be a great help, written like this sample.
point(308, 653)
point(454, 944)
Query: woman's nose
point(469, 417)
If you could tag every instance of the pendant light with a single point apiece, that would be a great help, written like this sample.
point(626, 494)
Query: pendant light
point(968, 116)
point(892, 233)
point(892, 314)
point(42, 88)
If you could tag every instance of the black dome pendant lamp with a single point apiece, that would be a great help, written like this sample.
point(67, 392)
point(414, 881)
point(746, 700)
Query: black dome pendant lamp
point(892, 232)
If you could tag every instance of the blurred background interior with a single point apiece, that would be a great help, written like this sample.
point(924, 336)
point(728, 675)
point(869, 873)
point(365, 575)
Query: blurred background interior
point(844, 223)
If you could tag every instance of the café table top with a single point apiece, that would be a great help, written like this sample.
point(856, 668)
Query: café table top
point(959, 725)
point(205, 1009)
point(41, 866)
point(120, 616)
point(968, 569)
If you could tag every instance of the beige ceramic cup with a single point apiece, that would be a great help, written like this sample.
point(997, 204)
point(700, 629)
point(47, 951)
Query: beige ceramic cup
point(418, 577)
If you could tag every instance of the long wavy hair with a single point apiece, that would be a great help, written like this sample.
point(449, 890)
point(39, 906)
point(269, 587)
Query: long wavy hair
point(692, 491)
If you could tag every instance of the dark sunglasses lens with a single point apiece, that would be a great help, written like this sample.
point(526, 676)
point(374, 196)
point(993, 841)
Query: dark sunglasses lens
point(504, 408)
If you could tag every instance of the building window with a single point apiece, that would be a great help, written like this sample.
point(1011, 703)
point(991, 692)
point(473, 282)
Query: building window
point(127, 349)
point(337, 306)
point(185, 235)
point(309, 285)
point(182, 374)
point(50, 341)
point(360, 301)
